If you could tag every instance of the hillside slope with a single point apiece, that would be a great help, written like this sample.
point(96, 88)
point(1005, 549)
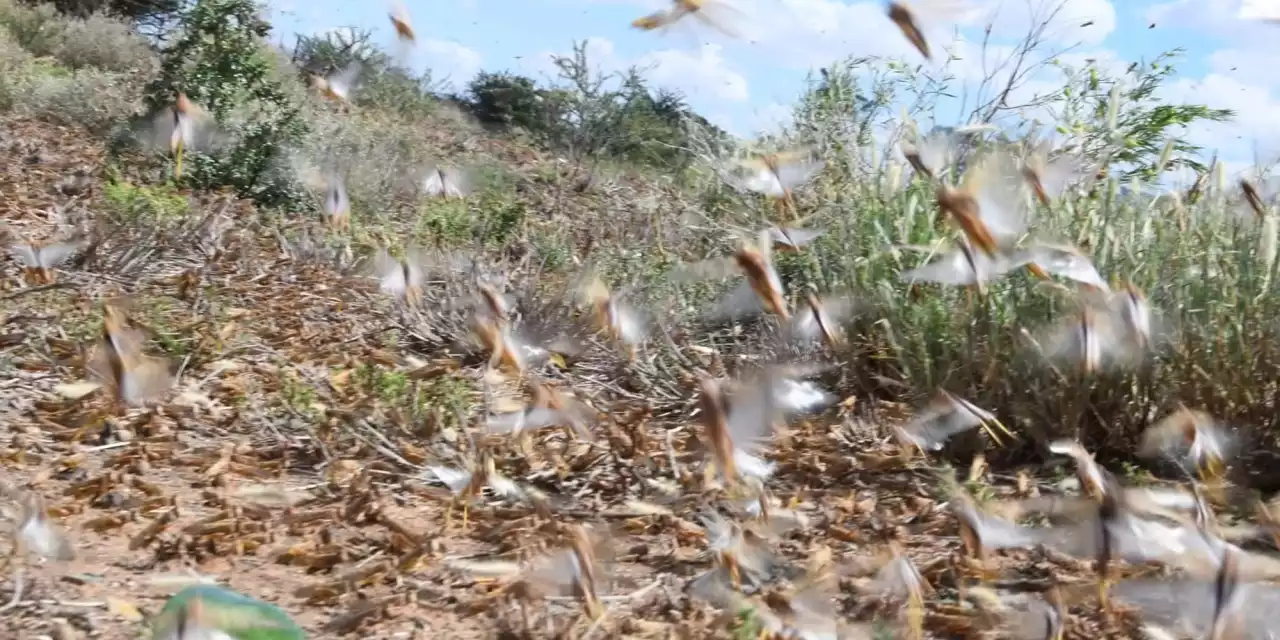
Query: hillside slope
point(290, 463)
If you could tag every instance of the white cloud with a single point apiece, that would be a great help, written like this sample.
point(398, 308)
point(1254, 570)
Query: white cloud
point(1220, 17)
point(1260, 10)
point(448, 59)
point(805, 33)
point(1185, 13)
point(1256, 65)
point(599, 48)
point(1255, 128)
point(701, 74)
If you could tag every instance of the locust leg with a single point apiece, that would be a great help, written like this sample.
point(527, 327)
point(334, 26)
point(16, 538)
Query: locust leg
point(1210, 470)
point(735, 574)
point(177, 166)
point(915, 618)
point(1104, 594)
point(448, 514)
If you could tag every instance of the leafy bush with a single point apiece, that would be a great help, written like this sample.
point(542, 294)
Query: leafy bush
point(510, 100)
point(444, 221)
point(501, 219)
point(15, 64)
point(283, 74)
point(1142, 123)
point(106, 43)
point(386, 130)
point(222, 63)
point(96, 100)
point(39, 29)
point(652, 128)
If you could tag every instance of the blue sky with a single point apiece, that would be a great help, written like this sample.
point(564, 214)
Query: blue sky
point(748, 84)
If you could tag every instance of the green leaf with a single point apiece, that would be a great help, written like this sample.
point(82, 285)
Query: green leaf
point(215, 608)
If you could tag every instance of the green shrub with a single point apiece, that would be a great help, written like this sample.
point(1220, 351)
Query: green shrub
point(96, 100)
point(15, 66)
point(553, 252)
point(95, 40)
point(222, 63)
point(446, 221)
point(652, 128)
point(502, 216)
point(71, 72)
point(509, 100)
point(107, 43)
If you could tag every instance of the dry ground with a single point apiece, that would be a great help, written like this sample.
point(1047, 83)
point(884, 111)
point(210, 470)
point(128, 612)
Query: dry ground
point(158, 496)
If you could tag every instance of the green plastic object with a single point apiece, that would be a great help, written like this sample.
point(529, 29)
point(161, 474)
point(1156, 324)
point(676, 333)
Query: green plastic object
point(208, 612)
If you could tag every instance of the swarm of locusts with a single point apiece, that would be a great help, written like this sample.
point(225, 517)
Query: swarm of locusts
point(729, 498)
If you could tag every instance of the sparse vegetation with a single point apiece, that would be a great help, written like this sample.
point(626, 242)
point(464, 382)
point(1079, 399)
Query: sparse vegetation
point(150, 205)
